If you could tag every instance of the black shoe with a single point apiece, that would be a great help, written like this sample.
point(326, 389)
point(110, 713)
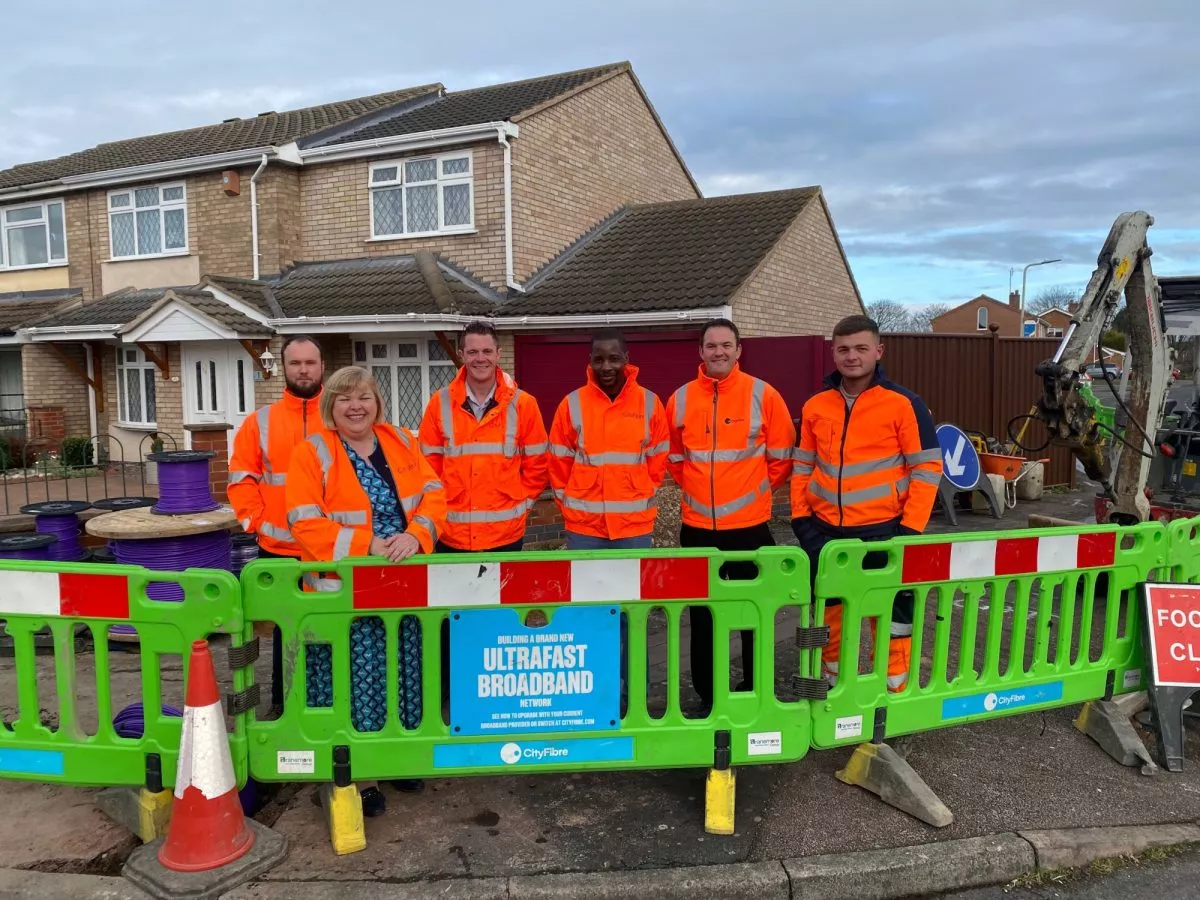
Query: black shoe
point(409, 785)
point(373, 802)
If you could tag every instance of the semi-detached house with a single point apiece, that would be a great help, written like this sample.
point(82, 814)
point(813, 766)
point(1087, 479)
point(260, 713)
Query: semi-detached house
point(143, 282)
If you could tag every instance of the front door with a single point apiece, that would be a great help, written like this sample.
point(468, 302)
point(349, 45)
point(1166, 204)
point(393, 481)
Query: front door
point(218, 385)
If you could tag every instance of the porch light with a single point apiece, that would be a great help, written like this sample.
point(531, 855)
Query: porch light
point(270, 367)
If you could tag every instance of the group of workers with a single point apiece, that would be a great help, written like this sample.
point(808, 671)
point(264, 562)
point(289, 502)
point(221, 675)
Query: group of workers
point(321, 475)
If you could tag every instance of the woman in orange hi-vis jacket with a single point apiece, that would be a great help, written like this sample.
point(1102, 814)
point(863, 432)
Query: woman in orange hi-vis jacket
point(361, 487)
point(731, 446)
point(867, 467)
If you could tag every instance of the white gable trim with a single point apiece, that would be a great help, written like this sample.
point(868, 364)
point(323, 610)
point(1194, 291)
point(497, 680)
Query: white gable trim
point(234, 303)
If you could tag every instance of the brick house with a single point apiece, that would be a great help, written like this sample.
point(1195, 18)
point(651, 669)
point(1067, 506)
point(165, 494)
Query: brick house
point(978, 314)
point(167, 265)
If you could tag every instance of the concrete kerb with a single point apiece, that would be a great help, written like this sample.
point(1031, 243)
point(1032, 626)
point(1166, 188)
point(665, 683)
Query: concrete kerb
point(865, 875)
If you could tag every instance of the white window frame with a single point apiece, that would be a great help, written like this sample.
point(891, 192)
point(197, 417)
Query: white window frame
point(981, 318)
point(42, 220)
point(163, 206)
point(142, 364)
point(393, 361)
point(442, 181)
point(1054, 332)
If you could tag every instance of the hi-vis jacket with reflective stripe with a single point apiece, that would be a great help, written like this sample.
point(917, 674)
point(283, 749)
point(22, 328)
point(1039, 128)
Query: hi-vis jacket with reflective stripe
point(731, 445)
point(608, 457)
point(258, 467)
point(868, 467)
point(330, 513)
point(493, 468)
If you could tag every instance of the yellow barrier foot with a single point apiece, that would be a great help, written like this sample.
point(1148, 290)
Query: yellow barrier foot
point(884, 772)
point(1107, 723)
point(719, 801)
point(145, 813)
point(343, 811)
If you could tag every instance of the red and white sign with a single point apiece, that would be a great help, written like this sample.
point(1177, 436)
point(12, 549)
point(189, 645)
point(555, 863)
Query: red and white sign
point(959, 560)
point(1173, 611)
point(542, 581)
point(65, 594)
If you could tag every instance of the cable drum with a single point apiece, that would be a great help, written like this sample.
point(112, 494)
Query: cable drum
point(175, 554)
point(60, 518)
point(243, 552)
point(183, 485)
point(26, 546)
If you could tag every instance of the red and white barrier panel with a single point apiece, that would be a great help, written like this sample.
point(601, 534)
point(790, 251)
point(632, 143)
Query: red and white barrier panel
point(541, 581)
point(62, 594)
point(958, 560)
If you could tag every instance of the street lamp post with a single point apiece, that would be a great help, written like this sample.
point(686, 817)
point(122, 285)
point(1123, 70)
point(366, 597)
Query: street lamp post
point(1024, 274)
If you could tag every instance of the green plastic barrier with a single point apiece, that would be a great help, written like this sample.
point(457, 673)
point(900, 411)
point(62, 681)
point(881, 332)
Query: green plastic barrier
point(64, 596)
point(1004, 623)
point(409, 732)
point(1183, 537)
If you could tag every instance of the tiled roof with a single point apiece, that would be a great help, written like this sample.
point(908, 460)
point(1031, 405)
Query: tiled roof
point(381, 286)
point(498, 103)
point(271, 129)
point(687, 254)
point(125, 306)
point(24, 307)
point(254, 293)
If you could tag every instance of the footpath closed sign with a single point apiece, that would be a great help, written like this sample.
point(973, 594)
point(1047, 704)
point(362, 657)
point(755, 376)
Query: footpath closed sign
point(509, 678)
point(1173, 617)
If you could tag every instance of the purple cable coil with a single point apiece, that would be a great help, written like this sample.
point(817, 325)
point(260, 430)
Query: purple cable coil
point(22, 546)
point(183, 486)
point(199, 551)
point(66, 528)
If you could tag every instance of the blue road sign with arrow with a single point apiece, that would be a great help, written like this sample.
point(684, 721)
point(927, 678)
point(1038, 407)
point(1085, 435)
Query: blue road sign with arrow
point(960, 462)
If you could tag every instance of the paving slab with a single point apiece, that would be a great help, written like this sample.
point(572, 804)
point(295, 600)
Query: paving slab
point(58, 829)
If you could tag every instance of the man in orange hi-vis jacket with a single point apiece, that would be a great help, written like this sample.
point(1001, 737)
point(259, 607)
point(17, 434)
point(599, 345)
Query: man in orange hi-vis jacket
point(867, 467)
point(731, 446)
point(485, 438)
point(608, 453)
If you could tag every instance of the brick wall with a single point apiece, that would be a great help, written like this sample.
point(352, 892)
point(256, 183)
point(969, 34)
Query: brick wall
point(336, 211)
point(48, 382)
point(577, 161)
point(802, 286)
point(279, 218)
point(85, 250)
point(214, 439)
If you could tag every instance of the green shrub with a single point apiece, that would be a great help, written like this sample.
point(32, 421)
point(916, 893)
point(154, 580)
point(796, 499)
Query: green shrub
point(76, 452)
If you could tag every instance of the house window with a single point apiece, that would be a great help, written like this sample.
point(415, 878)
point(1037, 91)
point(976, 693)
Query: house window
point(1054, 332)
point(135, 388)
point(148, 221)
point(429, 195)
point(408, 371)
point(33, 235)
point(981, 318)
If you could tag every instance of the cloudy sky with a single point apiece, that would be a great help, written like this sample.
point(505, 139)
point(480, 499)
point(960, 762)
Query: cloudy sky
point(955, 139)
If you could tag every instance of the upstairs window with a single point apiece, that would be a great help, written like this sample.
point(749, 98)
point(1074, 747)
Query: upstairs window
point(429, 195)
point(148, 221)
point(33, 235)
point(981, 320)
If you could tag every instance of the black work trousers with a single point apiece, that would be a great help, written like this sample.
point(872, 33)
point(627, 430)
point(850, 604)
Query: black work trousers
point(730, 539)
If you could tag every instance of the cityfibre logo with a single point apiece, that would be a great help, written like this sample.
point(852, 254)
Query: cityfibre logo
point(995, 701)
point(510, 753)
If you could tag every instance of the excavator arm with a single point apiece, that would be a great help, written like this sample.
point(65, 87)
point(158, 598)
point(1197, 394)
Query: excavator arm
point(1123, 267)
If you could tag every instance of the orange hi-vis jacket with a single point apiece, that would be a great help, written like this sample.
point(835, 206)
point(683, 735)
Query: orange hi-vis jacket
point(330, 513)
point(493, 468)
point(731, 445)
point(258, 468)
point(608, 457)
point(869, 466)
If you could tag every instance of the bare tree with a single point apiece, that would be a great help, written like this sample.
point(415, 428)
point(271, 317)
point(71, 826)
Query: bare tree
point(890, 315)
point(922, 319)
point(1060, 297)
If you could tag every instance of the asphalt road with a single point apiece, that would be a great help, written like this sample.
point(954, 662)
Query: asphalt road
point(1177, 876)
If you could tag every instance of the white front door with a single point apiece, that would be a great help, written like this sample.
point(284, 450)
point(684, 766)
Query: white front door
point(218, 385)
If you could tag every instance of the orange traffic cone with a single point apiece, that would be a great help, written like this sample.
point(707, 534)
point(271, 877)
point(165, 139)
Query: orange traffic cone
point(208, 828)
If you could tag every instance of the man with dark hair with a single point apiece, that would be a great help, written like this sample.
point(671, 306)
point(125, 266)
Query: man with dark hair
point(731, 446)
point(258, 464)
point(608, 453)
point(867, 467)
point(485, 438)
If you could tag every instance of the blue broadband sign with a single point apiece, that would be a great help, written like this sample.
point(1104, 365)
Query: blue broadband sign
point(533, 752)
point(1002, 701)
point(508, 678)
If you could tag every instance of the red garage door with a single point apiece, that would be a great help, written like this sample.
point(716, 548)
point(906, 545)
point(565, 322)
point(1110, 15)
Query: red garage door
point(551, 366)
